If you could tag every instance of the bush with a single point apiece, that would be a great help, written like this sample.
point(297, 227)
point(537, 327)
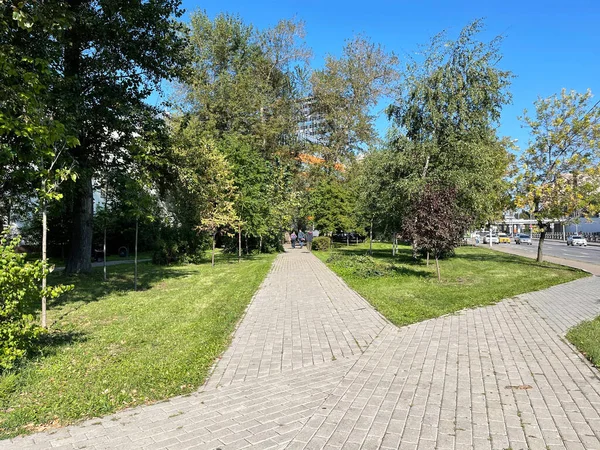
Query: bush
point(20, 295)
point(362, 266)
point(166, 253)
point(321, 243)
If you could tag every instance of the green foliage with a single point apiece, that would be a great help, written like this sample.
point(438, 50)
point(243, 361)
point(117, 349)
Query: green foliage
point(20, 295)
point(30, 138)
point(361, 266)
point(561, 172)
point(321, 243)
point(560, 176)
point(331, 205)
point(240, 97)
point(445, 131)
point(345, 93)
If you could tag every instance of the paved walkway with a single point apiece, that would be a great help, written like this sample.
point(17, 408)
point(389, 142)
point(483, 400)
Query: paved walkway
point(312, 365)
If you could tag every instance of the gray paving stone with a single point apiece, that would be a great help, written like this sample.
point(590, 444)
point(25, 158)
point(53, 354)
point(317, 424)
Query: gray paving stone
point(312, 365)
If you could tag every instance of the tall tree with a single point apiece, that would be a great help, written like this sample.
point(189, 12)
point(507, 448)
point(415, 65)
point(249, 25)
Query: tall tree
point(345, 92)
point(561, 172)
point(28, 135)
point(242, 89)
point(449, 110)
point(110, 58)
point(205, 184)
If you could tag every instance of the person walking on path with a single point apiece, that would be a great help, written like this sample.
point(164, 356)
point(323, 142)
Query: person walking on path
point(293, 238)
point(301, 238)
point(309, 238)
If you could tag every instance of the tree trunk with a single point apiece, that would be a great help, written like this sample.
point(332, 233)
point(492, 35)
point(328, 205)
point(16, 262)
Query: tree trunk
point(44, 259)
point(540, 251)
point(81, 237)
point(371, 238)
point(427, 258)
point(135, 272)
point(105, 219)
point(437, 266)
point(247, 250)
point(239, 243)
point(104, 253)
point(214, 243)
point(260, 245)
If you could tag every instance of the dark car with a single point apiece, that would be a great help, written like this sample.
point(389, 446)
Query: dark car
point(345, 237)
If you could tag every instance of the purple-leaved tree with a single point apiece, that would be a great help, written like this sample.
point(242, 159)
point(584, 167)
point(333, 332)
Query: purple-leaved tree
point(434, 223)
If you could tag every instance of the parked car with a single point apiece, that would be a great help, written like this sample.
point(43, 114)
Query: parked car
point(503, 238)
point(486, 239)
point(523, 239)
point(577, 240)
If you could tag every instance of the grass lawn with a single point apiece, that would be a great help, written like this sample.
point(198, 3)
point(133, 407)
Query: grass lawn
point(59, 262)
point(586, 337)
point(112, 348)
point(407, 292)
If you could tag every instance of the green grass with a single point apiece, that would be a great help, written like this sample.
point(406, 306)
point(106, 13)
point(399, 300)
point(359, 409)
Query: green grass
point(61, 262)
point(407, 292)
point(586, 337)
point(112, 348)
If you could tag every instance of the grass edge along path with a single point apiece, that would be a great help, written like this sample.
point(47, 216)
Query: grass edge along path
point(113, 348)
point(586, 338)
point(407, 292)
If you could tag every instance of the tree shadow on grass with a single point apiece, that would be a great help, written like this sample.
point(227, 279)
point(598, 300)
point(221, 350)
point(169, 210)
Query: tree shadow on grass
point(51, 342)
point(92, 287)
point(402, 264)
point(403, 255)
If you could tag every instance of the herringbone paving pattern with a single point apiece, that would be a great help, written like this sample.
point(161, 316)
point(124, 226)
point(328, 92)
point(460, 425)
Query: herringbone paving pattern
point(313, 366)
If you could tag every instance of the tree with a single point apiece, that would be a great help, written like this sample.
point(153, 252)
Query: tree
point(20, 294)
point(435, 223)
point(205, 182)
point(52, 177)
point(111, 57)
point(28, 135)
point(345, 92)
point(331, 205)
point(448, 113)
point(242, 90)
point(561, 174)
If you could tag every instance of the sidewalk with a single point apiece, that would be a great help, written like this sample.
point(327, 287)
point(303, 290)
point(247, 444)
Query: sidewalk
point(312, 365)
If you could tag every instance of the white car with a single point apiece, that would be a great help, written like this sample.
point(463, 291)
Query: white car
point(486, 239)
point(577, 240)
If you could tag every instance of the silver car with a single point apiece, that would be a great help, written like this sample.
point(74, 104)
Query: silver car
point(577, 240)
point(523, 239)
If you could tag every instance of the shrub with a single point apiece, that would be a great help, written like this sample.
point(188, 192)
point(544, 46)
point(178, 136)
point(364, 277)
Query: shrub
point(20, 295)
point(362, 266)
point(321, 243)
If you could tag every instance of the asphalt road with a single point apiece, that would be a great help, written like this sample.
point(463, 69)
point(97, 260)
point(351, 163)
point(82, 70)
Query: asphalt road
point(589, 254)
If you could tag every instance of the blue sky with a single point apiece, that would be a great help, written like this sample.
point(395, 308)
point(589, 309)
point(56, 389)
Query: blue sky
point(548, 45)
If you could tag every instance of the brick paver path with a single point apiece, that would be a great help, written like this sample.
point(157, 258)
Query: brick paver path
point(312, 365)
